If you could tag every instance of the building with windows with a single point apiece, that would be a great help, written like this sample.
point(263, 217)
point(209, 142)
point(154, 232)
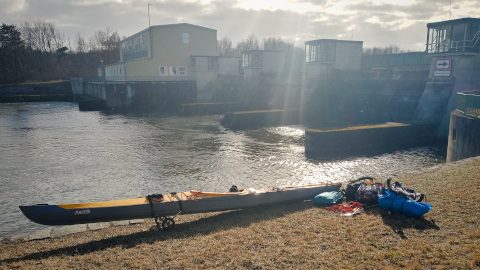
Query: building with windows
point(163, 53)
point(157, 70)
point(323, 56)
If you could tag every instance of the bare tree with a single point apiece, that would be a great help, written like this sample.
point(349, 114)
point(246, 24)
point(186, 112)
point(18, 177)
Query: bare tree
point(81, 44)
point(225, 48)
point(250, 43)
point(391, 49)
point(42, 36)
point(107, 43)
point(271, 43)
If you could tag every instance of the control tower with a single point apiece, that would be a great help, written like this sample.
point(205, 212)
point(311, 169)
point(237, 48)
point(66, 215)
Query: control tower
point(454, 49)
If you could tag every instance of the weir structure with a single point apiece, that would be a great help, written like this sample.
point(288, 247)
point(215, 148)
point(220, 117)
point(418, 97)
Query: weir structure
point(418, 89)
point(454, 49)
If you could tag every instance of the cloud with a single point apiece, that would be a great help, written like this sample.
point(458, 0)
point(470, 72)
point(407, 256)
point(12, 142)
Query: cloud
point(376, 22)
point(10, 6)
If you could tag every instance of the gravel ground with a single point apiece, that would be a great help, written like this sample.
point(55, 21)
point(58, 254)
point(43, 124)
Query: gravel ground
point(296, 235)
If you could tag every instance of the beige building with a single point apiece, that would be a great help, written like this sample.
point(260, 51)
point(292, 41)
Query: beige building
point(163, 53)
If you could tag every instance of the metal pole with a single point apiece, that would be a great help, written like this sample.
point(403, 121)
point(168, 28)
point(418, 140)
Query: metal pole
point(148, 11)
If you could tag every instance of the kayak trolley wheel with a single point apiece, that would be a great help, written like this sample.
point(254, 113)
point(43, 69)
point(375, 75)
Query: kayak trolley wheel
point(168, 224)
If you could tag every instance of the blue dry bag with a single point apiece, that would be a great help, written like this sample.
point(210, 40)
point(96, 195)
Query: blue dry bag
point(395, 203)
point(328, 198)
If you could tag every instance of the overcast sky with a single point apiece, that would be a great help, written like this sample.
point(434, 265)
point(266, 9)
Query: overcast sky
point(376, 22)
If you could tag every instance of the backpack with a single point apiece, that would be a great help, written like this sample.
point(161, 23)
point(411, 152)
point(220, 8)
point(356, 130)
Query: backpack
point(407, 193)
point(353, 186)
point(367, 193)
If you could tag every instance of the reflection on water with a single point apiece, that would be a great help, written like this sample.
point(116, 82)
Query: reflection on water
point(52, 153)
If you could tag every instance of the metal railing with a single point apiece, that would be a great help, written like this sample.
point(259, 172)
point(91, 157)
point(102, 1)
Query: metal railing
point(468, 102)
point(464, 45)
point(468, 45)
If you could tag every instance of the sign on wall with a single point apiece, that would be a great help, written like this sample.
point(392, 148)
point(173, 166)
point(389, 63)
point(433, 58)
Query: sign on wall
point(442, 67)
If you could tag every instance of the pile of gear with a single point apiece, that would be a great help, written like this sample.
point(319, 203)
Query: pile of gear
point(364, 193)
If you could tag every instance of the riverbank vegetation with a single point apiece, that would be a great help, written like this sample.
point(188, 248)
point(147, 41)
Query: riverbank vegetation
point(296, 235)
point(40, 52)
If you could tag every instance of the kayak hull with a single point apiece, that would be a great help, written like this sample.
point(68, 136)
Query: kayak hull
point(184, 203)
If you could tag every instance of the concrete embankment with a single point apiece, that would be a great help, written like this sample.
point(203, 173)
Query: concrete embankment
point(295, 235)
point(260, 118)
point(366, 139)
point(208, 108)
point(36, 91)
point(464, 135)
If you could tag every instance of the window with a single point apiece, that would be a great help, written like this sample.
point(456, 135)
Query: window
point(173, 71)
point(162, 70)
point(182, 71)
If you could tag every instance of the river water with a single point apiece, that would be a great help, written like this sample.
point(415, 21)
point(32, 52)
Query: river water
point(53, 153)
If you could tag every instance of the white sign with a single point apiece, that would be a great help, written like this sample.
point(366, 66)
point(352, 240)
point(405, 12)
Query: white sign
point(443, 64)
point(441, 73)
point(443, 67)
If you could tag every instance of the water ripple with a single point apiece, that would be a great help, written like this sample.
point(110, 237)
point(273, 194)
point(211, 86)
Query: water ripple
point(52, 153)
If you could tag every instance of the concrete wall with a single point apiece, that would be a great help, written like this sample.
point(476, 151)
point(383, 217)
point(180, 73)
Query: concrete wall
point(464, 136)
point(364, 140)
point(439, 97)
point(78, 86)
point(348, 55)
point(143, 96)
point(229, 66)
point(273, 62)
point(115, 72)
point(413, 65)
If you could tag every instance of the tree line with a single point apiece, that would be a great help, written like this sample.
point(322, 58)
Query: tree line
point(38, 51)
point(225, 45)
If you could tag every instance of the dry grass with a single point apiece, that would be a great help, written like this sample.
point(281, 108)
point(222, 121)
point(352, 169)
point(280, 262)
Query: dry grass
point(291, 236)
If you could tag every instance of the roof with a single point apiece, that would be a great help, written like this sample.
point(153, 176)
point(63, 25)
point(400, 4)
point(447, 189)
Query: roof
point(182, 24)
point(260, 50)
point(171, 25)
point(218, 56)
point(315, 41)
point(456, 21)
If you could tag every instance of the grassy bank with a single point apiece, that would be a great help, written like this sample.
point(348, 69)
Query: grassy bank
point(289, 236)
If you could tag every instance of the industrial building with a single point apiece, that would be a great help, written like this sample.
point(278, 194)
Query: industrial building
point(163, 66)
point(162, 53)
